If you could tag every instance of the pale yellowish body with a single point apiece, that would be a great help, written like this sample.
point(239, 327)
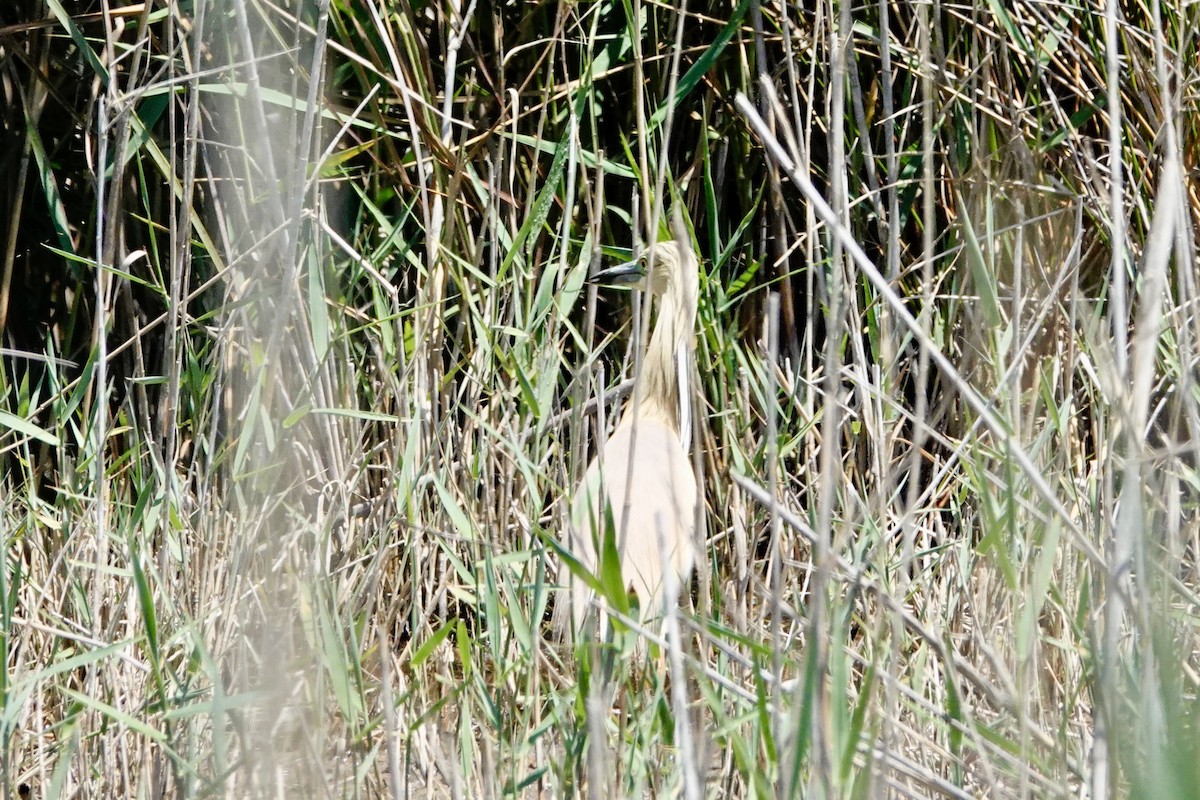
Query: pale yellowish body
point(644, 474)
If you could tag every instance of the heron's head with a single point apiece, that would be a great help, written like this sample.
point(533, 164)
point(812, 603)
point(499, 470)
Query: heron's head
point(660, 268)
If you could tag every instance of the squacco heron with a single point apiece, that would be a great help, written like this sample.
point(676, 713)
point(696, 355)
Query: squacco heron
point(644, 476)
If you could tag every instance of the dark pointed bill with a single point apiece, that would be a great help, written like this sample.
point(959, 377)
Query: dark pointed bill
point(627, 274)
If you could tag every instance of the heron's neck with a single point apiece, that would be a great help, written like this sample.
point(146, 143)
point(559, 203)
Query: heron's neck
point(657, 391)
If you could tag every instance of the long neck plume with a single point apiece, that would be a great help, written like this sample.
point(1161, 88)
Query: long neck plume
point(657, 392)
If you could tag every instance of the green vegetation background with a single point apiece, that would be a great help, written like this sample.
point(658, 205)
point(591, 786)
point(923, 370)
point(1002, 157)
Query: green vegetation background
point(299, 368)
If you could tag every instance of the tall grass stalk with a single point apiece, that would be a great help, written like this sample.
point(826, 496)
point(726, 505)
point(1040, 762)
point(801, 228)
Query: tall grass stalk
point(300, 369)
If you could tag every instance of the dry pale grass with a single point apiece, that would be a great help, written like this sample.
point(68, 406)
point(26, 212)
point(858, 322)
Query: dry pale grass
point(285, 481)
